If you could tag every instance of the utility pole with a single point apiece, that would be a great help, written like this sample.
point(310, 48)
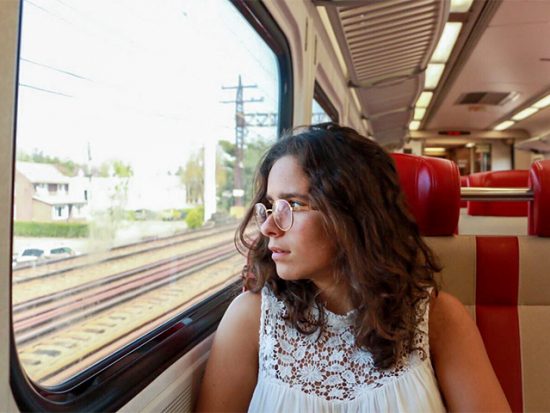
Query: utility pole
point(240, 129)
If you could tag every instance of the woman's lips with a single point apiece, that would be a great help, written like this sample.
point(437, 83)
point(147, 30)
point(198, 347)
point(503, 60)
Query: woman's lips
point(278, 253)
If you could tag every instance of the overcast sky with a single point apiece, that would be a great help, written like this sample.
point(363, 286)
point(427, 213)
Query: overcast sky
point(140, 80)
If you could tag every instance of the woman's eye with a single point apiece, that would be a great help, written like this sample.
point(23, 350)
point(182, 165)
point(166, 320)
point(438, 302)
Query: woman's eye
point(295, 204)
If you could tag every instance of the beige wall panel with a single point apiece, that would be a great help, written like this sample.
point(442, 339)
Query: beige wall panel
point(534, 271)
point(535, 359)
point(457, 255)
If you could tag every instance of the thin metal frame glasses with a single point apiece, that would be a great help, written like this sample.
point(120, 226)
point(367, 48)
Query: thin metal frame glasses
point(283, 213)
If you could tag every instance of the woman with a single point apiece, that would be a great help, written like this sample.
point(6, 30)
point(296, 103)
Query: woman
point(344, 313)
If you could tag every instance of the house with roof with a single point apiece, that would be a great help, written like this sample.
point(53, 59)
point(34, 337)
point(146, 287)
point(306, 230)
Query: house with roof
point(43, 193)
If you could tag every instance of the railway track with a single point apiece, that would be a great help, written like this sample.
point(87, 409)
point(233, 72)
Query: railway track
point(54, 344)
point(72, 315)
point(35, 318)
point(50, 283)
point(30, 271)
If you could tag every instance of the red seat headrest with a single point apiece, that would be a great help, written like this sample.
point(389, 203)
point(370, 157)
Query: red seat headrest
point(499, 179)
point(539, 207)
point(432, 190)
point(463, 182)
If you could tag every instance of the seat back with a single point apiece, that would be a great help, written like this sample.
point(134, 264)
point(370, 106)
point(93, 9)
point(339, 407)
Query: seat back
point(505, 284)
point(539, 208)
point(499, 179)
point(463, 182)
point(432, 191)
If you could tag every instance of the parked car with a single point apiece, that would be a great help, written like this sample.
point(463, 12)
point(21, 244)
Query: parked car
point(30, 254)
point(61, 252)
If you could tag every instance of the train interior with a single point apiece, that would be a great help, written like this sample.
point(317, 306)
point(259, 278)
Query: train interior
point(457, 90)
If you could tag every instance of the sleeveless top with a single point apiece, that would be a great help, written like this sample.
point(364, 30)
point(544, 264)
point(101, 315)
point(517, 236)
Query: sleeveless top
point(326, 372)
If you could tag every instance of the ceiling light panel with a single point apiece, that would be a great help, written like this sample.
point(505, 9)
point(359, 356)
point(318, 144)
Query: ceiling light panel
point(461, 6)
point(433, 75)
point(414, 125)
point(419, 113)
point(504, 125)
point(446, 42)
point(424, 99)
point(545, 101)
point(525, 113)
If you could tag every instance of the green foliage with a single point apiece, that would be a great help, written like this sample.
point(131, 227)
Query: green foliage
point(51, 229)
point(195, 218)
point(228, 147)
point(253, 151)
point(115, 168)
point(192, 176)
point(173, 214)
point(66, 167)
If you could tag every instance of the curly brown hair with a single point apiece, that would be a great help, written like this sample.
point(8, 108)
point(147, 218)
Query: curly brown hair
point(387, 267)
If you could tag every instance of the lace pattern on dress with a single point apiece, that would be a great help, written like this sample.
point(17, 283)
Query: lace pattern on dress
point(327, 365)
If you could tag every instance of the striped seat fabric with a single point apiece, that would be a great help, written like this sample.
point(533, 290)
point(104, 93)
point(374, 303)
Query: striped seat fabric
point(504, 281)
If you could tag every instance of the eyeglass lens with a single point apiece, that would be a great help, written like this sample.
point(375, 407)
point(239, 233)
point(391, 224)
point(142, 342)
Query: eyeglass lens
point(282, 214)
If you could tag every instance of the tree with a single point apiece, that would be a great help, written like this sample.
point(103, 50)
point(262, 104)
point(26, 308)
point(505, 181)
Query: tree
point(192, 176)
point(105, 224)
point(253, 151)
point(66, 167)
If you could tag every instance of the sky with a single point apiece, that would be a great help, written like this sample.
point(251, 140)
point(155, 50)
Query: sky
point(137, 80)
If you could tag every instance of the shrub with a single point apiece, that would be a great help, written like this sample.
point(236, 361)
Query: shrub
point(195, 218)
point(51, 229)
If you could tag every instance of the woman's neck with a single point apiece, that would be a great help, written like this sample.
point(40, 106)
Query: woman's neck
point(335, 298)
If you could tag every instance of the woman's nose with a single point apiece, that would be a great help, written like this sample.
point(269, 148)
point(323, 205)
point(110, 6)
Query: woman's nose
point(269, 228)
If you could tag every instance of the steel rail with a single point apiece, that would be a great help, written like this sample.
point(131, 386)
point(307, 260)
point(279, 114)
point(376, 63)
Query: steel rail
point(496, 194)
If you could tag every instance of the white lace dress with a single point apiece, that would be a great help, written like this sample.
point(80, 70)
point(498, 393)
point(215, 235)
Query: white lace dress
point(299, 373)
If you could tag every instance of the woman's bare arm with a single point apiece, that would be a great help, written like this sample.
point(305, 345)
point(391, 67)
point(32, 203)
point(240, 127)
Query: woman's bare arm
point(463, 370)
point(232, 369)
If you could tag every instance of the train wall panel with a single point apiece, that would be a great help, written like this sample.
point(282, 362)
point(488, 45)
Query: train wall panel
point(177, 387)
point(311, 48)
point(9, 20)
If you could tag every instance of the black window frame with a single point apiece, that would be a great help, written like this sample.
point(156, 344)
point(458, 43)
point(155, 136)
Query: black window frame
point(112, 383)
point(323, 100)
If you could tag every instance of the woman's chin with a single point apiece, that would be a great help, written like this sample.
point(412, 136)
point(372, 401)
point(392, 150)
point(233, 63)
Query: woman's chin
point(286, 274)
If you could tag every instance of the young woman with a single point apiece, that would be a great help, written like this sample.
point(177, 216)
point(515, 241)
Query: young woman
point(343, 314)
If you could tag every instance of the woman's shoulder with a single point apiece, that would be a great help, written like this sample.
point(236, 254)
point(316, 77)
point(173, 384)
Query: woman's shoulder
point(240, 325)
point(245, 308)
point(447, 316)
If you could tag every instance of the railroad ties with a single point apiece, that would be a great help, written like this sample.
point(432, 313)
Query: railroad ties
point(70, 314)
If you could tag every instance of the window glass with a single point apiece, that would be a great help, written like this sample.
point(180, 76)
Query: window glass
point(139, 128)
point(318, 114)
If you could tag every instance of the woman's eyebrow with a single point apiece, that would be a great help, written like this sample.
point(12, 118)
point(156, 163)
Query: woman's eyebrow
point(287, 195)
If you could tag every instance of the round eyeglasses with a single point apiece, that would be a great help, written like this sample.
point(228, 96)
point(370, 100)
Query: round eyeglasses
point(283, 213)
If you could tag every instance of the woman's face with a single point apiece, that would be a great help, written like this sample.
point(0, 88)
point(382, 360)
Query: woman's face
point(305, 251)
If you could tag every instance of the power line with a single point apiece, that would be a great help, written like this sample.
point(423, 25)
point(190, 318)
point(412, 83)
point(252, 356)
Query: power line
point(45, 90)
point(55, 69)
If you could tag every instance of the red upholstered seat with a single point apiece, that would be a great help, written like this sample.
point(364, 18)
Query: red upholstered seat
point(502, 280)
point(539, 208)
point(499, 179)
point(432, 189)
point(463, 182)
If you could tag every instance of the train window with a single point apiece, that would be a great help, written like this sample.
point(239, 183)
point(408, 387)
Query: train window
point(139, 126)
point(322, 109)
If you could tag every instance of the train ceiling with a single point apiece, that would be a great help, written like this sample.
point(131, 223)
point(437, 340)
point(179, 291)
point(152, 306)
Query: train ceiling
point(500, 64)
point(386, 47)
